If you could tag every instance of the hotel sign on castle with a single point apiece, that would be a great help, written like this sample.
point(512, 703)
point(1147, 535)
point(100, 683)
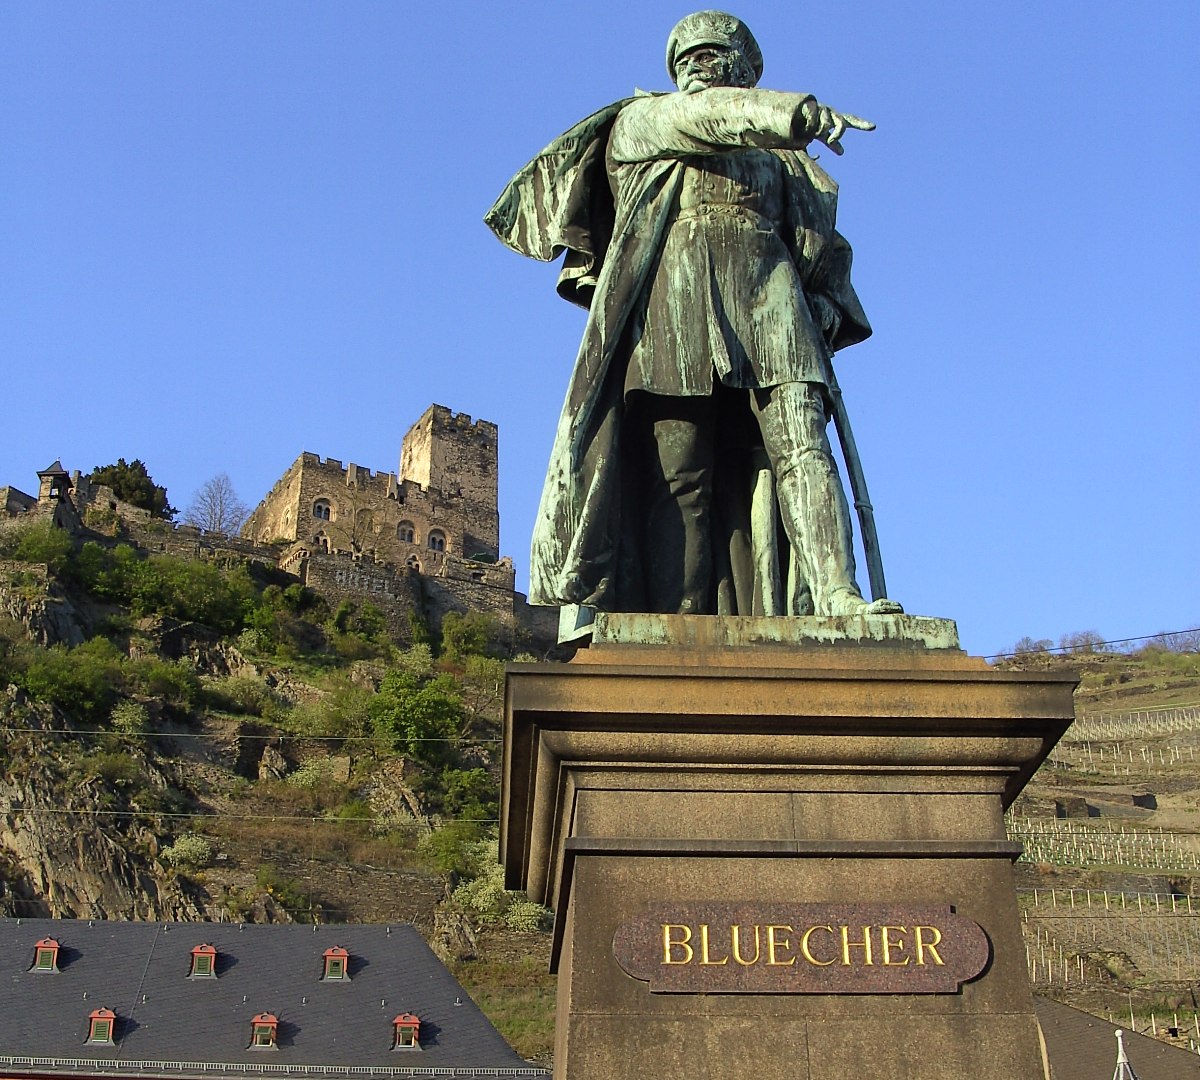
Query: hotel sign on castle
point(751, 948)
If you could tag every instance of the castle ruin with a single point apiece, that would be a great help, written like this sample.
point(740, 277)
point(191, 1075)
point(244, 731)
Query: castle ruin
point(417, 544)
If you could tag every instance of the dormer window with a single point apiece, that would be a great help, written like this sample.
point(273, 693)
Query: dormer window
point(337, 965)
point(263, 1029)
point(407, 1032)
point(204, 963)
point(45, 955)
point(101, 1023)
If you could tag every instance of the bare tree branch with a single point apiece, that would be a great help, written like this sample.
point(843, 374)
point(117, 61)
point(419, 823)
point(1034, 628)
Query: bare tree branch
point(216, 507)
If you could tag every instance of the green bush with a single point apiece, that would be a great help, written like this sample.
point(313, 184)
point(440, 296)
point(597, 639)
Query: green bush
point(353, 810)
point(482, 891)
point(311, 775)
point(37, 542)
point(472, 634)
point(114, 768)
point(246, 694)
point(132, 483)
point(171, 681)
point(344, 713)
point(129, 718)
point(416, 660)
point(285, 891)
point(189, 852)
point(469, 793)
point(418, 718)
point(450, 848)
point(83, 681)
point(184, 589)
point(526, 916)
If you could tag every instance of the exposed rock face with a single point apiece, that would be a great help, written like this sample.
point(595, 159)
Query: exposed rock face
point(71, 845)
point(31, 598)
point(272, 765)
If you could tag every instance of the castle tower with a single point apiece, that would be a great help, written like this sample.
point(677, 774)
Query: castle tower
point(53, 483)
point(457, 456)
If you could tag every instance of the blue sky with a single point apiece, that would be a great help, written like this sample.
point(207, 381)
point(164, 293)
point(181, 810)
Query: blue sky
point(233, 231)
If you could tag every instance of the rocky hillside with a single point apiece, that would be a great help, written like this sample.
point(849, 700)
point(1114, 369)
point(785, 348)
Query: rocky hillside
point(205, 740)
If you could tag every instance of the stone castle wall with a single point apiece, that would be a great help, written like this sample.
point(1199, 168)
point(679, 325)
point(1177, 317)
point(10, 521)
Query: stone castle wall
point(452, 454)
point(445, 499)
point(419, 544)
point(341, 577)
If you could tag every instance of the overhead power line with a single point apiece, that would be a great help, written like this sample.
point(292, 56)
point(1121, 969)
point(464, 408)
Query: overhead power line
point(1094, 645)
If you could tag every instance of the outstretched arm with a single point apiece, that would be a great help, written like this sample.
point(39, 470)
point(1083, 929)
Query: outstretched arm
point(724, 118)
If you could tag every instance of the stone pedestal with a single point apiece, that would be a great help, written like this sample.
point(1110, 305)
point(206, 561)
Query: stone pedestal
point(650, 791)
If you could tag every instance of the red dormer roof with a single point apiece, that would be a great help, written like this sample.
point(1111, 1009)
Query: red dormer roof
point(101, 1023)
point(204, 962)
point(45, 955)
point(337, 964)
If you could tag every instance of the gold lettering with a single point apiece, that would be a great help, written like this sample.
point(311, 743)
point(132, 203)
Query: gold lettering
point(736, 943)
point(704, 960)
point(889, 945)
point(804, 949)
point(772, 945)
point(924, 946)
point(670, 943)
point(865, 945)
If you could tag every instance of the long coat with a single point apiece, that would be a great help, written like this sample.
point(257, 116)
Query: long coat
point(563, 202)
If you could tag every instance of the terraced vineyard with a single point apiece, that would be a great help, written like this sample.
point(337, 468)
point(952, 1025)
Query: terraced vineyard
point(1109, 883)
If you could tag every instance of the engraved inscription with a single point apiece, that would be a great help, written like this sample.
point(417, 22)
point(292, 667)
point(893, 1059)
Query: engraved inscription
point(752, 948)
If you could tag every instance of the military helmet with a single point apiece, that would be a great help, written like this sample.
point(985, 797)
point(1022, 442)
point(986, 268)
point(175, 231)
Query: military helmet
point(713, 28)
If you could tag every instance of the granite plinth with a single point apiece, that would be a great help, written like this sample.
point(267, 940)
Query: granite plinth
point(642, 776)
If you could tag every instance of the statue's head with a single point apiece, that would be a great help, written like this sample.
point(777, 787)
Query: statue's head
point(713, 49)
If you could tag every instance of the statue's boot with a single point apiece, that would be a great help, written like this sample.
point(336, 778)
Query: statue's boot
point(817, 521)
point(678, 518)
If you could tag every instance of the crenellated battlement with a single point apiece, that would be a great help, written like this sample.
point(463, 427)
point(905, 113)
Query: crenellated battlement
point(423, 540)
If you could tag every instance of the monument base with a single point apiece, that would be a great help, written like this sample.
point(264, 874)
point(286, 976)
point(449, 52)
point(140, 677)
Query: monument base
point(780, 861)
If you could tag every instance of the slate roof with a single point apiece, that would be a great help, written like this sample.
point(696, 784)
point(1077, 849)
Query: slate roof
point(172, 1025)
point(1084, 1047)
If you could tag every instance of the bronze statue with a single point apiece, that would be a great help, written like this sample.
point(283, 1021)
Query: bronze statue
point(691, 471)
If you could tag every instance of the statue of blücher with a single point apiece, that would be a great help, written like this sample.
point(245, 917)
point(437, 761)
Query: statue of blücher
point(691, 471)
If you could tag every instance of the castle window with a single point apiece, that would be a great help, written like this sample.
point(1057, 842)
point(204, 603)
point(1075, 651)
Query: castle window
point(45, 955)
point(437, 540)
point(413, 563)
point(263, 1029)
point(337, 965)
point(407, 1032)
point(323, 510)
point(204, 963)
point(100, 1026)
point(406, 532)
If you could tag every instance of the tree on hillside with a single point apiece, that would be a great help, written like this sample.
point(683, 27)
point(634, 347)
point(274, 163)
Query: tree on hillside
point(131, 483)
point(216, 507)
point(1081, 641)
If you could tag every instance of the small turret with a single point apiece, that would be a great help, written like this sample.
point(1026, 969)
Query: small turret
point(54, 481)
